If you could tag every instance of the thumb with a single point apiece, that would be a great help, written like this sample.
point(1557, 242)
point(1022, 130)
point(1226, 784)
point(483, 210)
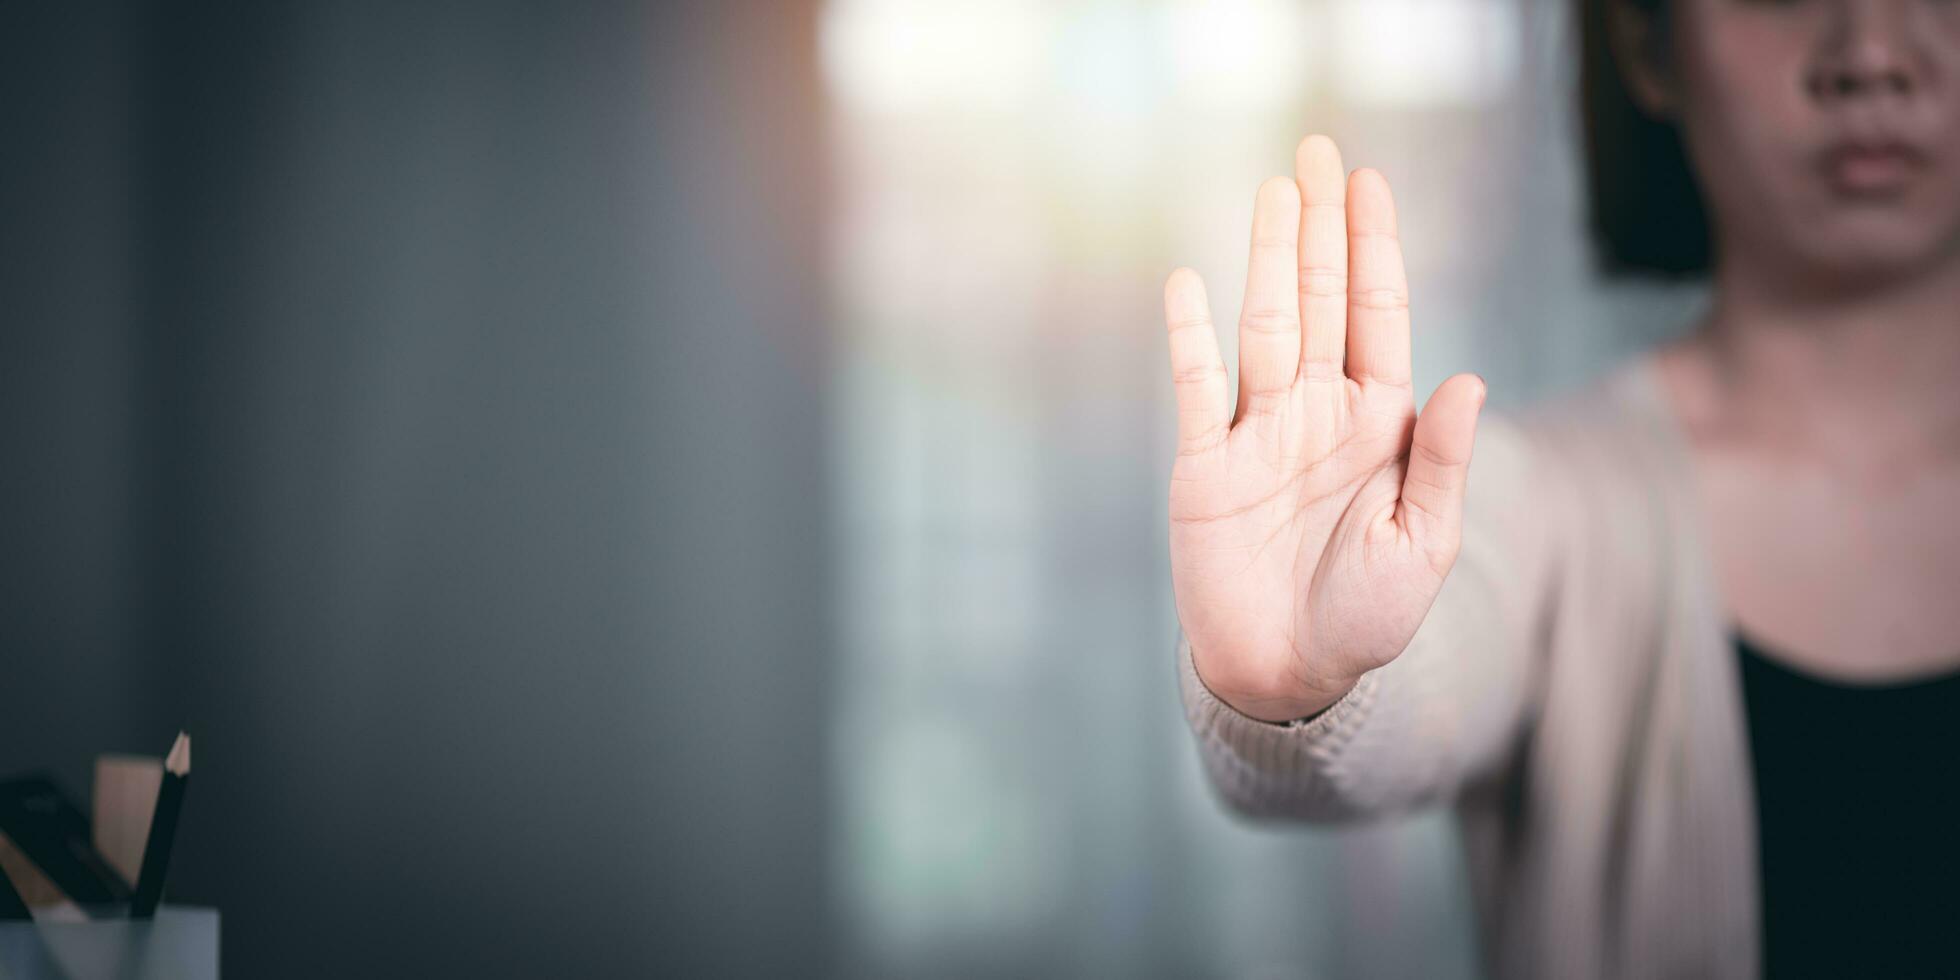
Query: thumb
point(1439, 466)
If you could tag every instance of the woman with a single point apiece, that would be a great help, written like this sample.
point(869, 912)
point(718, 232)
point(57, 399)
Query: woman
point(1680, 648)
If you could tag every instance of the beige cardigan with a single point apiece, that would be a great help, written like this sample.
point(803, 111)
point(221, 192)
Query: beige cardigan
point(1572, 693)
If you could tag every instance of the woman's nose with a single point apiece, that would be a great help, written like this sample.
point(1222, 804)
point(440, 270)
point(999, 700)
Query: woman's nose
point(1866, 51)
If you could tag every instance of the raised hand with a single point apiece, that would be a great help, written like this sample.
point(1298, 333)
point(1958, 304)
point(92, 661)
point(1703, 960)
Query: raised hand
point(1311, 528)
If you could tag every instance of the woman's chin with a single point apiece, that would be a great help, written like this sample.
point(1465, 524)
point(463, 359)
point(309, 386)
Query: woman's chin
point(1875, 251)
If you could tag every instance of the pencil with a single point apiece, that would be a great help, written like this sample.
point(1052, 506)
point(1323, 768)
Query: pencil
point(163, 830)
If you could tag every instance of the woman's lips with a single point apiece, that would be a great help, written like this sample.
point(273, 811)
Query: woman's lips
point(1871, 169)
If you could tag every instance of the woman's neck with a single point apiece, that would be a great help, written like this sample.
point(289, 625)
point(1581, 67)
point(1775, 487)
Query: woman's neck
point(1870, 378)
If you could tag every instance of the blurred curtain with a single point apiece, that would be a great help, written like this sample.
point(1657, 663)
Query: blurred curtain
point(1016, 789)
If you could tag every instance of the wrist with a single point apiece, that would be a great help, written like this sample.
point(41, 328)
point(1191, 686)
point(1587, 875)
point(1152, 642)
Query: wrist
point(1261, 700)
point(1291, 710)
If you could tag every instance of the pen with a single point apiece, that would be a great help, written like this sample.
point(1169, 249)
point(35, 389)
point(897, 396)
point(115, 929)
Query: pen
point(12, 906)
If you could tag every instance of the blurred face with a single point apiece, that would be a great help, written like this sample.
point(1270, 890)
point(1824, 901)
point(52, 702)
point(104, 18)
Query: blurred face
point(1826, 133)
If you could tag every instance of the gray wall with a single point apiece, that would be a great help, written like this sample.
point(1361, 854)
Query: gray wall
point(69, 580)
point(422, 407)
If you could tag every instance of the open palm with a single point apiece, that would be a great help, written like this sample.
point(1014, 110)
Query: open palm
point(1311, 528)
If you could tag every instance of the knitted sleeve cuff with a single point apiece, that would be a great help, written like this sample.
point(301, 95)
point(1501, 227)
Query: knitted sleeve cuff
point(1266, 768)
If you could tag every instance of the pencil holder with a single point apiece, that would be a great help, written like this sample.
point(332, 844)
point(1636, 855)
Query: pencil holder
point(181, 943)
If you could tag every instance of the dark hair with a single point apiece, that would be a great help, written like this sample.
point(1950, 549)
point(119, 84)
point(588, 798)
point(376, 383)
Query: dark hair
point(1646, 213)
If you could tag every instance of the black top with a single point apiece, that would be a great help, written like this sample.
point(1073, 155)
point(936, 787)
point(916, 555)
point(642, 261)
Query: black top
point(1858, 818)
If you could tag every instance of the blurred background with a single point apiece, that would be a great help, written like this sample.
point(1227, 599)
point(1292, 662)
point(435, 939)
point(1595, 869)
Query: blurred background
point(615, 488)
